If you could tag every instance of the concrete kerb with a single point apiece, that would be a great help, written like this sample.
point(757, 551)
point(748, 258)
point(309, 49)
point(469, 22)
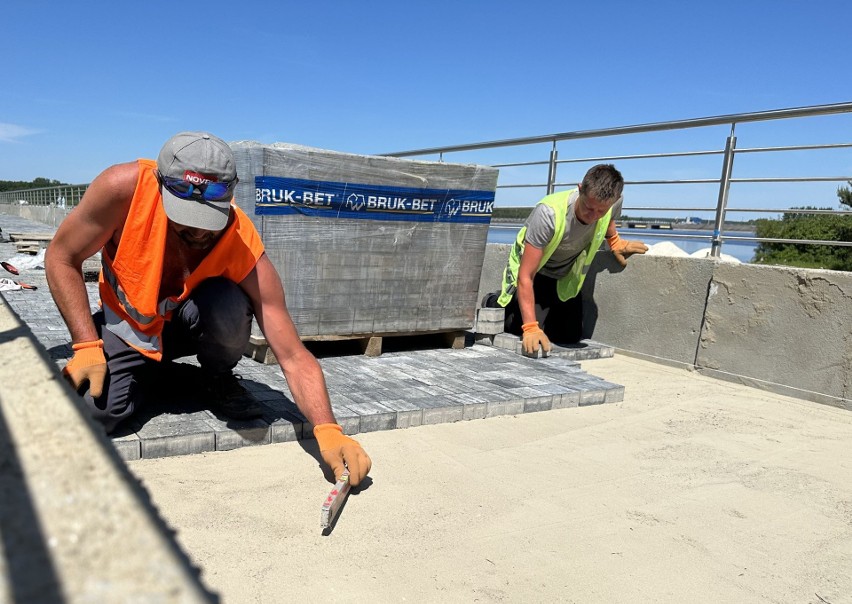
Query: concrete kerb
point(75, 524)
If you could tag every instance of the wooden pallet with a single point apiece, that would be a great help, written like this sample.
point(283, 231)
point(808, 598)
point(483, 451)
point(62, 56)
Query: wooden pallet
point(370, 345)
point(20, 237)
point(28, 247)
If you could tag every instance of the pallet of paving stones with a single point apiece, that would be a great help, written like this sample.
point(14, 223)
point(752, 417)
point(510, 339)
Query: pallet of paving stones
point(369, 245)
point(369, 345)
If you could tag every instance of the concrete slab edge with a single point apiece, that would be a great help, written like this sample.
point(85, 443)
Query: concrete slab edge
point(71, 509)
point(775, 388)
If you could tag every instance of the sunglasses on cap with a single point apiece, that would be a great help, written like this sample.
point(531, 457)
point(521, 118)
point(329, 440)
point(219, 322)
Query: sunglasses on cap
point(208, 191)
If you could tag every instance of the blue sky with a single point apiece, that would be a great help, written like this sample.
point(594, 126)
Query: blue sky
point(87, 85)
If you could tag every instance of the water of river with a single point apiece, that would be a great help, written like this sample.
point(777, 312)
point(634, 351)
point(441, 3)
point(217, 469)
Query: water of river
point(741, 250)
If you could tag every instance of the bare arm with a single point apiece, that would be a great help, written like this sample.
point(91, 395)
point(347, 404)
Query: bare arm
point(100, 213)
point(610, 229)
point(530, 259)
point(303, 372)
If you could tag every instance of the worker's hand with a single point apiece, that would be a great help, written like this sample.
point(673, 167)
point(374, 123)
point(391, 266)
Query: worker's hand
point(338, 449)
point(88, 365)
point(622, 249)
point(534, 337)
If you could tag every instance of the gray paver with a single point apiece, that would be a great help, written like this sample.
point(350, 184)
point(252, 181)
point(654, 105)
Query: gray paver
point(399, 389)
point(233, 434)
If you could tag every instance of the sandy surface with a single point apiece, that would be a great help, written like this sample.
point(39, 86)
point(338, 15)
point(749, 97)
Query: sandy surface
point(691, 490)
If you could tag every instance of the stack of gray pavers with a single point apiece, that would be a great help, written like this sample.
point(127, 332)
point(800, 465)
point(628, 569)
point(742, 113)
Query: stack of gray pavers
point(369, 245)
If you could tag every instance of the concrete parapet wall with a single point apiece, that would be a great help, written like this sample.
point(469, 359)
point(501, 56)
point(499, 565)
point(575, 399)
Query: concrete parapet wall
point(75, 526)
point(49, 215)
point(783, 329)
point(781, 325)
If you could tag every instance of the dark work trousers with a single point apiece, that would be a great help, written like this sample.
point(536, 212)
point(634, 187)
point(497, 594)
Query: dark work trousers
point(214, 323)
point(561, 321)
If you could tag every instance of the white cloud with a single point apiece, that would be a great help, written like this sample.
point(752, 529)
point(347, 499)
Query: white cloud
point(10, 133)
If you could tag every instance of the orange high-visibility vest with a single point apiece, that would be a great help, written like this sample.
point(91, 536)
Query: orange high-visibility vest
point(129, 284)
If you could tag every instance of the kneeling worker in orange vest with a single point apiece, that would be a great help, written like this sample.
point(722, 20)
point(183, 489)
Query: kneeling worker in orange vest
point(183, 273)
point(551, 255)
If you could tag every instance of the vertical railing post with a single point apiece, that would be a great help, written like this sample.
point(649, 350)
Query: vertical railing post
point(551, 169)
point(724, 187)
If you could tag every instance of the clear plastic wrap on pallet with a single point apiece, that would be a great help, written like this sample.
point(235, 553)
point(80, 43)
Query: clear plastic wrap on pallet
point(369, 245)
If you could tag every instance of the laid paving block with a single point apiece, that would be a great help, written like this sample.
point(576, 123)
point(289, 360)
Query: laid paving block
point(233, 433)
point(592, 397)
point(475, 411)
point(284, 430)
point(569, 397)
point(510, 407)
point(613, 392)
point(346, 418)
point(374, 416)
point(440, 410)
point(129, 447)
point(540, 403)
point(180, 437)
point(408, 415)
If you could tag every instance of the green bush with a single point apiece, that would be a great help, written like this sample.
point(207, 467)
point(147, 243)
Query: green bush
point(808, 226)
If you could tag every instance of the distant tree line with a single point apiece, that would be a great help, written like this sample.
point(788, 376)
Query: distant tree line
point(36, 183)
point(823, 227)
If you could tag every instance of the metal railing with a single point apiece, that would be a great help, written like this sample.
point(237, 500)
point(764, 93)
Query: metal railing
point(720, 210)
point(64, 196)
point(69, 196)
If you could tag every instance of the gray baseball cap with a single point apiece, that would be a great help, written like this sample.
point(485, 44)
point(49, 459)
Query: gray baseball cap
point(196, 158)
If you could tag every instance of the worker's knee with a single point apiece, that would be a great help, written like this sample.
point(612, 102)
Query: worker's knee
point(224, 309)
point(117, 403)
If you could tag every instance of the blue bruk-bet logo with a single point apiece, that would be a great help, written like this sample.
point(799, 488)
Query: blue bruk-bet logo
point(276, 195)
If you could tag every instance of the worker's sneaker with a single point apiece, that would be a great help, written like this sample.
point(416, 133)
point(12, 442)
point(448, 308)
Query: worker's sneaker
point(227, 396)
point(490, 300)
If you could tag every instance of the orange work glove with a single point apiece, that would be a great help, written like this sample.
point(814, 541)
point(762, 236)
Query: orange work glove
point(534, 337)
point(622, 249)
point(338, 449)
point(87, 365)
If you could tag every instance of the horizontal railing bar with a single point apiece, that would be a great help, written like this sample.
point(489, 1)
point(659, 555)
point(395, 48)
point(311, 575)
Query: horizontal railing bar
point(702, 181)
point(525, 163)
point(675, 154)
point(613, 158)
point(734, 118)
point(793, 148)
point(793, 241)
point(791, 211)
point(713, 209)
point(728, 238)
point(793, 179)
point(734, 209)
point(640, 156)
point(519, 186)
point(657, 208)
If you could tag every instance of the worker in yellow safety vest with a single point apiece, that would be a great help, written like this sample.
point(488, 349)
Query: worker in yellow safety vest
point(552, 254)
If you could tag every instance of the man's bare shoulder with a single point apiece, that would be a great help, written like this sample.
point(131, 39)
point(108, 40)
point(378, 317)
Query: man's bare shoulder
point(120, 178)
point(112, 191)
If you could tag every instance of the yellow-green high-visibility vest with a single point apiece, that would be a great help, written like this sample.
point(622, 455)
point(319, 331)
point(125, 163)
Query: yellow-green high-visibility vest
point(568, 286)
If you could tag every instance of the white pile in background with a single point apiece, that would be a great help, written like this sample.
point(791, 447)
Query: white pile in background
point(667, 248)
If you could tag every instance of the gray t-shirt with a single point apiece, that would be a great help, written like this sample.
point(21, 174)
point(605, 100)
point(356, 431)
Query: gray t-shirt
point(541, 225)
